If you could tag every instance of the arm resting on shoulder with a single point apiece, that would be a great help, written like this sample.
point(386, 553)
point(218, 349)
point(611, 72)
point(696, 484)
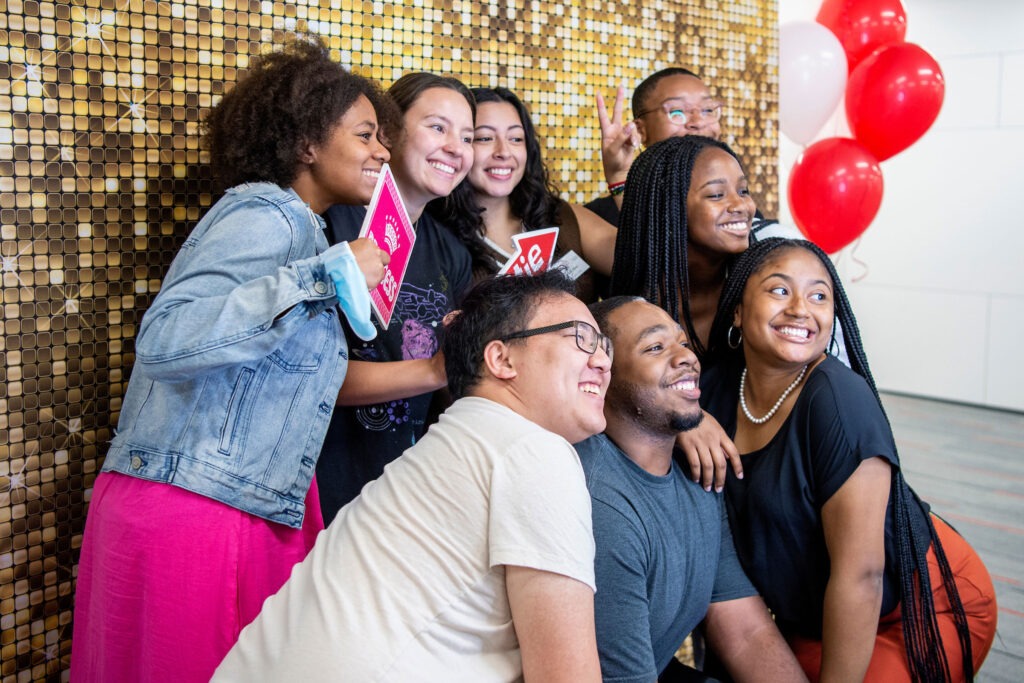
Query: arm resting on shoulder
point(709, 451)
point(744, 636)
point(368, 382)
point(554, 621)
point(854, 524)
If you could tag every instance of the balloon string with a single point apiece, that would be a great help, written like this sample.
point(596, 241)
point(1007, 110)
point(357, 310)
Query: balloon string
point(863, 264)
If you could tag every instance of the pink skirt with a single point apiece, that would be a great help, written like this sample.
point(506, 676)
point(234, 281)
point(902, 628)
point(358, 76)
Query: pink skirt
point(168, 579)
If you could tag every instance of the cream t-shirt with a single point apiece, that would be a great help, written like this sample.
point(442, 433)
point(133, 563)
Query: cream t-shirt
point(408, 582)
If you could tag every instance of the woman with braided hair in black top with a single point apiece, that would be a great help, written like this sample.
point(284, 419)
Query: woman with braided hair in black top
point(865, 582)
point(686, 214)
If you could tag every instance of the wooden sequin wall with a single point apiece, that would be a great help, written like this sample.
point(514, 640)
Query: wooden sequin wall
point(101, 178)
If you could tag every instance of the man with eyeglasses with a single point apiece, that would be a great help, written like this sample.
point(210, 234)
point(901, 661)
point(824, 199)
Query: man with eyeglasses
point(471, 557)
point(665, 558)
point(669, 103)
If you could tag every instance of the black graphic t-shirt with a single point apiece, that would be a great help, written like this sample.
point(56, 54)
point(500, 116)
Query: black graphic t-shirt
point(361, 440)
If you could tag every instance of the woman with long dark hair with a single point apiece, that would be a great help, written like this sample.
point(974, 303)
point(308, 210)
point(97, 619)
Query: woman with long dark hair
point(508, 192)
point(864, 581)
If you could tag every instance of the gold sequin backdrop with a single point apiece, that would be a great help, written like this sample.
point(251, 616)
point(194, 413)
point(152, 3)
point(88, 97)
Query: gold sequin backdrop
point(101, 177)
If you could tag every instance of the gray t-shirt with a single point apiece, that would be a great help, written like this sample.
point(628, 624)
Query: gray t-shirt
point(664, 553)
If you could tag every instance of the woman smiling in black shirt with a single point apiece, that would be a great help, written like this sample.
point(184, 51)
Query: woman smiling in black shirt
point(865, 583)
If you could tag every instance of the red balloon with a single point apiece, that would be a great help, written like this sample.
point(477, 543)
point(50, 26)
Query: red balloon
point(835, 190)
point(893, 97)
point(863, 26)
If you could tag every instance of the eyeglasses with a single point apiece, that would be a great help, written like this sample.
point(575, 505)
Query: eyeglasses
point(587, 336)
point(706, 112)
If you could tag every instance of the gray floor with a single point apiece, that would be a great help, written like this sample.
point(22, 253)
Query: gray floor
point(968, 463)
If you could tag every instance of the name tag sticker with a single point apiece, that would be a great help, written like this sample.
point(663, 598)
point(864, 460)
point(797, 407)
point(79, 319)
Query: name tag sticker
point(573, 265)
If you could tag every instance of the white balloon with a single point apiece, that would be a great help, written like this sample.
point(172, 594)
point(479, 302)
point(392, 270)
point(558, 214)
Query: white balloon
point(812, 78)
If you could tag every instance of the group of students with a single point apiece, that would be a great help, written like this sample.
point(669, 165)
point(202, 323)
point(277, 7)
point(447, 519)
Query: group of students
point(264, 401)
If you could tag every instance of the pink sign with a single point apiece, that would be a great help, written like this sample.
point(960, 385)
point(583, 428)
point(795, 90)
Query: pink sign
point(534, 252)
point(387, 224)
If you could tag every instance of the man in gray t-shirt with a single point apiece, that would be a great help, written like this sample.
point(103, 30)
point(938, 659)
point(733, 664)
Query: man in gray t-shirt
point(665, 558)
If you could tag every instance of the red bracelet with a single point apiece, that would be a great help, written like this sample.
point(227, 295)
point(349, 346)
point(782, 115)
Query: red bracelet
point(615, 189)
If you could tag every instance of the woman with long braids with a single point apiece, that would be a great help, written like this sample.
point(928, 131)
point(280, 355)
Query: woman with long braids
point(508, 191)
point(686, 214)
point(864, 581)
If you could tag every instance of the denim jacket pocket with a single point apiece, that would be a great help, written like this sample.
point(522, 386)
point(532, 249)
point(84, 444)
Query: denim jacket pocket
point(305, 352)
point(232, 422)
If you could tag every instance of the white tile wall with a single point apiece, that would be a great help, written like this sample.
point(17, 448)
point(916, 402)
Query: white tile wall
point(972, 92)
point(923, 342)
point(950, 215)
point(1012, 101)
point(960, 27)
point(1005, 380)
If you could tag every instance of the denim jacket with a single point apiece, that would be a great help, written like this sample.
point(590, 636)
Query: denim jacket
point(239, 360)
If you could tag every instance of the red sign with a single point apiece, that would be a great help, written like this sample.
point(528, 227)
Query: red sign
point(387, 224)
point(534, 252)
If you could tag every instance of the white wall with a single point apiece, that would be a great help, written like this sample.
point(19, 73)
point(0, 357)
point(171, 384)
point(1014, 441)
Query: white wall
point(940, 299)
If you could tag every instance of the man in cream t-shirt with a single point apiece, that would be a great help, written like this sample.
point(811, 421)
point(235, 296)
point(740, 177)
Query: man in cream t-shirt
point(471, 558)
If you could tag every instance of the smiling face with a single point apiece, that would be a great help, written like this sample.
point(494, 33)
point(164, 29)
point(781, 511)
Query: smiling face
point(655, 374)
point(559, 386)
point(344, 168)
point(788, 309)
point(719, 208)
point(434, 151)
point(679, 92)
point(499, 146)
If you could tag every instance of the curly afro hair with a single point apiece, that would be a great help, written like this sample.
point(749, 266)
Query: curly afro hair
point(288, 99)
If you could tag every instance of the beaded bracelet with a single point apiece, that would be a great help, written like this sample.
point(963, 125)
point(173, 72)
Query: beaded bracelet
point(615, 189)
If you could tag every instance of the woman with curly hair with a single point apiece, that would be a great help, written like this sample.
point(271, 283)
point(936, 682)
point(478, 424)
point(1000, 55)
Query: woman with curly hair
point(206, 498)
point(865, 582)
point(508, 192)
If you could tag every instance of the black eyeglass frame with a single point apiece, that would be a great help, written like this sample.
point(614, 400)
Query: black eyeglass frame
point(601, 340)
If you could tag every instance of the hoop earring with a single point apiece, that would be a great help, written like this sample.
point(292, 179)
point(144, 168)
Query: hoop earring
point(833, 343)
point(728, 337)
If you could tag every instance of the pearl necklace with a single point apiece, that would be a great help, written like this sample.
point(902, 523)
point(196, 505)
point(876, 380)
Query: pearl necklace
point(778, 404)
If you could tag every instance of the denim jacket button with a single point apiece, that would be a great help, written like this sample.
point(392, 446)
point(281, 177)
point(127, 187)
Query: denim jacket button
point(320, 287)
point(136, 462)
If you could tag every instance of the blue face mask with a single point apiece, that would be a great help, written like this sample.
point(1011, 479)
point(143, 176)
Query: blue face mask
point(350, 288)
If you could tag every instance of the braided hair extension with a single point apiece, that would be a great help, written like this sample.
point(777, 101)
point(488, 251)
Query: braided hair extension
point(923, 641)
point(651, 249)
point(534, 200)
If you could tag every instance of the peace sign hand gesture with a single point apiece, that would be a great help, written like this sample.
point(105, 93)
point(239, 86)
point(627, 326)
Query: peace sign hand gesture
point(619, 143)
